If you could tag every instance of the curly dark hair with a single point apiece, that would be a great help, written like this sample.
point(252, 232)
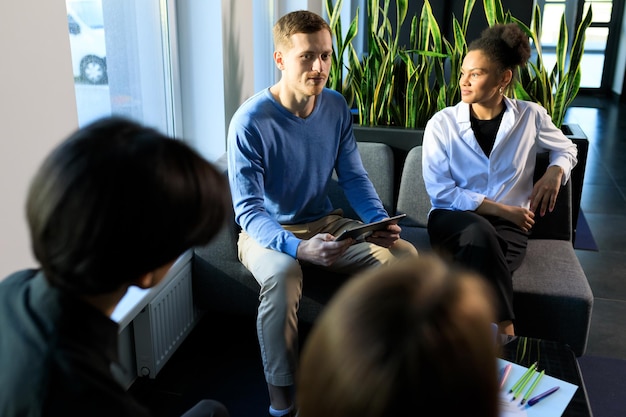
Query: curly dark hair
point(505, 44)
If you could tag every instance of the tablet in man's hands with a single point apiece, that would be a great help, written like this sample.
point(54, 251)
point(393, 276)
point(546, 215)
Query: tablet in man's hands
point(367, 229)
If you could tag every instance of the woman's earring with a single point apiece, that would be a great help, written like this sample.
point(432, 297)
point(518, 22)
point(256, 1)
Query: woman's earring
point(501, 91)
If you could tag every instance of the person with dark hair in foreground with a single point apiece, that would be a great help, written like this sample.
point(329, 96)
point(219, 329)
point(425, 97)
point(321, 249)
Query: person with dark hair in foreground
point(479, 162)
point(114, 205)
point(411, 336)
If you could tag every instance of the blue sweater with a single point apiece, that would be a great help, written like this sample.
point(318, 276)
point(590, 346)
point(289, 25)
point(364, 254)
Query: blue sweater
point(280, 167)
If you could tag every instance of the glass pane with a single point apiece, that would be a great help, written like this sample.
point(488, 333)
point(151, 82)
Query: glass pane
point(550, 20)
point(601, 10)
point(595, 39)
point(86, 29)
point(119, 61)
point(90, 12)
point(592, 63)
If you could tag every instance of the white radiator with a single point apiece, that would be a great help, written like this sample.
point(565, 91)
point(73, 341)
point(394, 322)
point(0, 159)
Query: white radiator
point(164, 324)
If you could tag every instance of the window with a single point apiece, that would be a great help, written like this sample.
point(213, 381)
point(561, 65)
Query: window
point(121, 61)
point(596, 36)
point(155, 58)
point(596, 42)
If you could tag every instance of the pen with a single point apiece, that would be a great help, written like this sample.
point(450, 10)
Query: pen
point(532, 387)
point(505, 374)
point(526, 374)
point(534, 400)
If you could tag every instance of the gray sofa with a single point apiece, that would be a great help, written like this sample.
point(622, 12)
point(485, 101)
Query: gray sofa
point(553, 299)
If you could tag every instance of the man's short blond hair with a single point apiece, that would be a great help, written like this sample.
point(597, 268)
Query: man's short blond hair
point(301, 21)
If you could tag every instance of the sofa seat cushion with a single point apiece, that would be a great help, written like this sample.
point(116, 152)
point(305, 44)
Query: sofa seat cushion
point(553, 299)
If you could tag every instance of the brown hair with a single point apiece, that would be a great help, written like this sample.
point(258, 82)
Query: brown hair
point(301, 21)
point(411, 336)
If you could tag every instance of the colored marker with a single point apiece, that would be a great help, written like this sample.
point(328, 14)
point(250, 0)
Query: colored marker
point(534, 400)
point(532, 387)
point(522, 379)
point(519, 389)
point(505, 374)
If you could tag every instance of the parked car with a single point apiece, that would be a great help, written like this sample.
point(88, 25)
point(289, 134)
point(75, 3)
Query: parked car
point(87, 42)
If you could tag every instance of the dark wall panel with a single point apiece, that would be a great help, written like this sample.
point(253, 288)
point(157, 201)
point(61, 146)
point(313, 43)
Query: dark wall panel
point(443, 10)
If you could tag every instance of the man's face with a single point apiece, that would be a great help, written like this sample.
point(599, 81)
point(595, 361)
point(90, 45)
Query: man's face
point(305, 65)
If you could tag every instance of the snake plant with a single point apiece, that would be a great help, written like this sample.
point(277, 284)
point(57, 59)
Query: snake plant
point(397, 85)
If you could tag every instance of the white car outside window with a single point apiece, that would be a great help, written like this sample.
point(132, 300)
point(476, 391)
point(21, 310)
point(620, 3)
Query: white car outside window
point(86, 29)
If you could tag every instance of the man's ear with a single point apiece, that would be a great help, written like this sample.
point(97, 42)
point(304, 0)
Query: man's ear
point(152, 278)
point(146, 280)
point(278, 59)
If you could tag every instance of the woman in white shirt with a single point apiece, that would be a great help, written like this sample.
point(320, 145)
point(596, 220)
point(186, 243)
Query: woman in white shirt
point(478, 164)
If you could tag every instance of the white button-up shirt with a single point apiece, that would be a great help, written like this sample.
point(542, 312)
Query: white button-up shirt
point(459, 176)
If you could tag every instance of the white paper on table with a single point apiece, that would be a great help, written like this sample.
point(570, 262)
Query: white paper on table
point(551, 406)
point(507, 408)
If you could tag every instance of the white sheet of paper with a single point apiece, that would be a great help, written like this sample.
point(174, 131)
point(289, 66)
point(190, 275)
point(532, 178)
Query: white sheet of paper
point(509, 409)
point(552, 406)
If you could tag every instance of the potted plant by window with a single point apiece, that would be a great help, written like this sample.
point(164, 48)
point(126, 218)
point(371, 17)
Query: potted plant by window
point(404, 85)
point(395, 88)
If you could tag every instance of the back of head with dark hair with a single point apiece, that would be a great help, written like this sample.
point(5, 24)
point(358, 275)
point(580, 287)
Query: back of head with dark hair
point(117, 200)
point(505, 44)
point(300, 21)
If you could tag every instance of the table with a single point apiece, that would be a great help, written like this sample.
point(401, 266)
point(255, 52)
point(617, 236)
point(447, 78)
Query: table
point(557, 359)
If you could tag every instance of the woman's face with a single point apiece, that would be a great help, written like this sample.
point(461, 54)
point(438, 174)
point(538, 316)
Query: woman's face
point(480, 80)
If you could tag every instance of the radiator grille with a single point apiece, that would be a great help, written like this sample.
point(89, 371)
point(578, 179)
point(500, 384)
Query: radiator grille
point(162, 326)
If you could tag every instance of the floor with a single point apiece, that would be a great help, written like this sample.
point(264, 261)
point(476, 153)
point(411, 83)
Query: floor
point(211, 364)
point(603, 203)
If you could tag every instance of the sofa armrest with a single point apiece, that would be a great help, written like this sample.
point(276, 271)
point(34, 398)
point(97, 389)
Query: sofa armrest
point(413, 198)
point(558, 223)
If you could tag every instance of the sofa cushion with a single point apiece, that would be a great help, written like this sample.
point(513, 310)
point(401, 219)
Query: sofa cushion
point(553, 299)
point(378, 161)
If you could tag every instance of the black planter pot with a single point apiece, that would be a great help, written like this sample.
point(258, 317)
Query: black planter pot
point(576, 134)
point(400, 138)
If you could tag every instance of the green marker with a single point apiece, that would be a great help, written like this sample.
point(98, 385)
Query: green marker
point(532, 387)
point(527, 374)
point(519, 389)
